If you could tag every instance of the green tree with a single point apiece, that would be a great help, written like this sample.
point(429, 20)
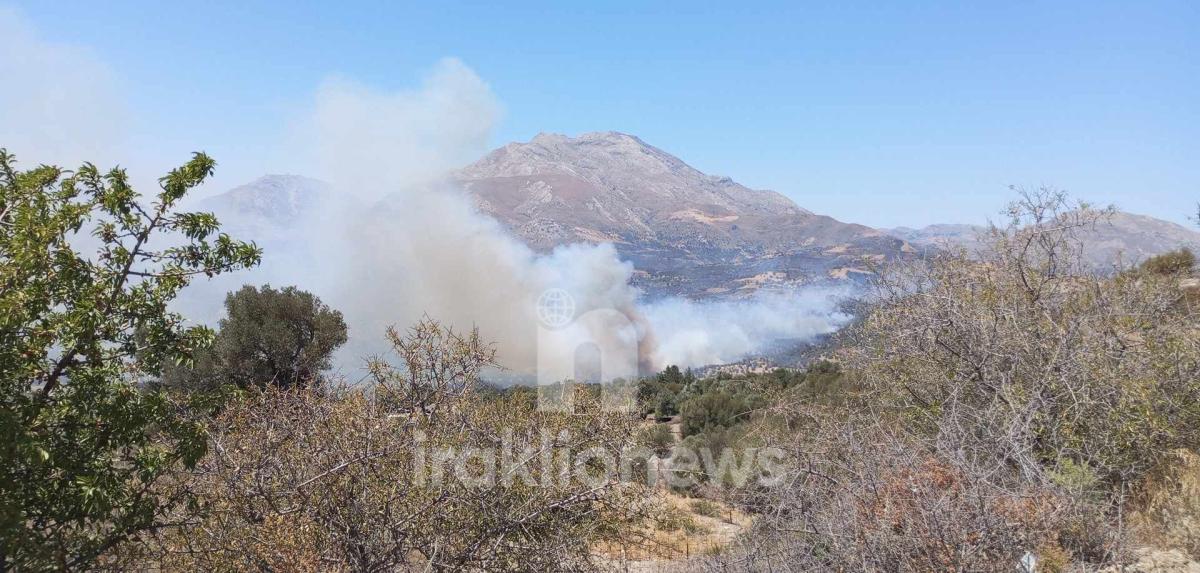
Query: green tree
point(661, 394)
point(666, 406)
point(660, 439)
point(280, 337)
point(82, 441)
point(721, 406)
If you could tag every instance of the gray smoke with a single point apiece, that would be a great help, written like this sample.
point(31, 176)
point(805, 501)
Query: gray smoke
point(394, 240)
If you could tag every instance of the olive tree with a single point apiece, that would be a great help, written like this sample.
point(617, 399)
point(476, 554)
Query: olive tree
point(281, 337)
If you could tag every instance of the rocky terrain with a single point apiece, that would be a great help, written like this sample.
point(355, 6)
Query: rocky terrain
point(272, 208)
point(687, 232)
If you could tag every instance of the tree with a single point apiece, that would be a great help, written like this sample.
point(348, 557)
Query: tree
point(721, 407)
point(660, 439)
point(1033, 362)
point(278, 337)
point(82, 442)
point(661, 394)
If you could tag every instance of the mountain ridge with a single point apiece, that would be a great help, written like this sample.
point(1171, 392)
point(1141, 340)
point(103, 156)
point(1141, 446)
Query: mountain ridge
point(689, 232)
point(1121, 238)
point(686, 232)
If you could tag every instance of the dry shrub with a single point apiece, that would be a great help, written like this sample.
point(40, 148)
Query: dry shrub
point(1176, 262)
point(1024, 362)
point(343, 478)
point(869, 498)
point(705, 507)
point(675, 535)
point(1003, 401)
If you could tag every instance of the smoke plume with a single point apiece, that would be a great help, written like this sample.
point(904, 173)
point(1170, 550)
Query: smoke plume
point(694, 333)
point(395, 240)
point(412, 244)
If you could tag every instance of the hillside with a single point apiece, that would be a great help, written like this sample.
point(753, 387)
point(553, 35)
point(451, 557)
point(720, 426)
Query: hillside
point(690, 233)
point(272, 208)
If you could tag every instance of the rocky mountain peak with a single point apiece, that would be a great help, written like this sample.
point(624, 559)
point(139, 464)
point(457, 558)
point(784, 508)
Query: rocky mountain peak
point(588, 153)
point(614, 164)
point(686, 232)
point(281, 196)
point(660, 212)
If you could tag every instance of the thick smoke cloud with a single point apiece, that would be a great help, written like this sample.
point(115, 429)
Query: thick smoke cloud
point(417, 246)
point(376, 144)
point(421, 248)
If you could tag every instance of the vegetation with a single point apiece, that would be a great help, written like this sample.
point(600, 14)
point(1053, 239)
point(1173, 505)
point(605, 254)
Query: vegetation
point(660, 439)
point(983, 407)
point(83, 444)
point(1170, 263)
point(311, 479)
point(660, 395)
point(268, 337)
point(705, 507)
point(1000, 405)
point(674, 519)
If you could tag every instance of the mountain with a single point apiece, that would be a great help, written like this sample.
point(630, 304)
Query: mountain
point(686, 232)
point(1123, 238)
point(280, 198)
point(270, 207)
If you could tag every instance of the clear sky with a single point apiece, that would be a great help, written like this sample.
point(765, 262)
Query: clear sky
point(886, 114)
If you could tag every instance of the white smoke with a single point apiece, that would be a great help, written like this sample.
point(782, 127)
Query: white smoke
point(59, 104)
point(413, 244)
point(419, 247)
point(397, 241)
point(376, 144)
point(691, 333)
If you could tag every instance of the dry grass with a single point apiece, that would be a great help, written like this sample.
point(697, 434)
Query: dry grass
point(1166, 511)
point(676, 536)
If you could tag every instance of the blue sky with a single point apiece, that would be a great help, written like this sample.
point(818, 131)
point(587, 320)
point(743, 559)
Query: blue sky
point(886, 114)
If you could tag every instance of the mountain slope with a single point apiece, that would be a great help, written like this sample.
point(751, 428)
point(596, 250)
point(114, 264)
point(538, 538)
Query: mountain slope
point(689, 232)
point(270, 207)
point(1123, 238)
